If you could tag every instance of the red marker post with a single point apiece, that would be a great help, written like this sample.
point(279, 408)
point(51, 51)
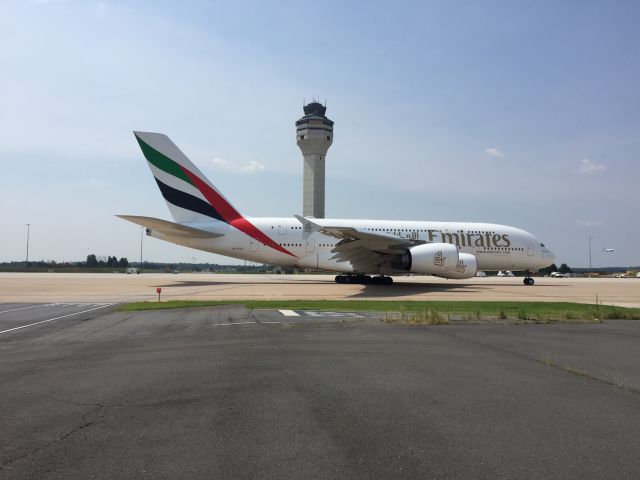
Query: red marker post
point(158, 290)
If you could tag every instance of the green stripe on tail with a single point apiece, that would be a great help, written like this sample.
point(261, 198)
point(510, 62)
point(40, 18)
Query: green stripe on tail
point(163, 162)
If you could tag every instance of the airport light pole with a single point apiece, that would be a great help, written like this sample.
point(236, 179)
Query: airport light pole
point(590, 256)
point(141, 239)
point(26, 262)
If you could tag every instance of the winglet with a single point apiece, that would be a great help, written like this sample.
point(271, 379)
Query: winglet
point(308, 227)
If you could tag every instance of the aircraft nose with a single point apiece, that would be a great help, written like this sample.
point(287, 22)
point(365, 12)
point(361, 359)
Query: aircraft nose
point(548, 256)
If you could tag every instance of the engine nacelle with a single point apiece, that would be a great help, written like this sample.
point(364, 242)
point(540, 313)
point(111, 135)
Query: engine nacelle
point(429, 258)
point(467, 267)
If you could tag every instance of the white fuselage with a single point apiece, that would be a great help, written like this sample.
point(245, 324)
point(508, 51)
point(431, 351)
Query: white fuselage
point(496, 247)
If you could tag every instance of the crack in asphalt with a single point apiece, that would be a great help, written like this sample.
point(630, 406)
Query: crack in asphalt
point(565, 368)
point(128, 317)
point(112, 405)
point(86, 423)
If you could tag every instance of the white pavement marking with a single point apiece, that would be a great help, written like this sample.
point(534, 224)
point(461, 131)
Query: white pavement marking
point(80, 304)
point(227, 324)
point(309, 313)
point(25, 308)
point(242, 323)
point(52, 319)
point(289, 313)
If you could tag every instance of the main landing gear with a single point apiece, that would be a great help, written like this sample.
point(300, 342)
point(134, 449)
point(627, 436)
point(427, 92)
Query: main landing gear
point(528, 280)
point(364, 279)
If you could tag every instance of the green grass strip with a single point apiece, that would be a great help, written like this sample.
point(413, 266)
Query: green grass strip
point(522, 310)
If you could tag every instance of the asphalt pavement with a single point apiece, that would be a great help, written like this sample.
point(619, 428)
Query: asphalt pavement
point(18, 316)
point(228, 393)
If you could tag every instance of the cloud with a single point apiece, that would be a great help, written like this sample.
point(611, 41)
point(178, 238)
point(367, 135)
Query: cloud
point(494, 153)
point(588, 223)
point(588, 167)
point(233, 167)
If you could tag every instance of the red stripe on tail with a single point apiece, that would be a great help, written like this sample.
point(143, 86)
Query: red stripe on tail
point(231, 215)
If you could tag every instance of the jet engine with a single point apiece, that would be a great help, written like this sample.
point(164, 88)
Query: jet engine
point(467, 267)
point(429, 258)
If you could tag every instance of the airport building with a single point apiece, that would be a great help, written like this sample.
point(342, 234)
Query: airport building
point(314, 135)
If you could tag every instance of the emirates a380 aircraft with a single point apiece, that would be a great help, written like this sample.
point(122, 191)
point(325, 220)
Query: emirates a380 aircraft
point(206, 220)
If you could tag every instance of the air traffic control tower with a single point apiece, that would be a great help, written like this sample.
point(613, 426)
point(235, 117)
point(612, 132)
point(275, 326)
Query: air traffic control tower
point(314, 135)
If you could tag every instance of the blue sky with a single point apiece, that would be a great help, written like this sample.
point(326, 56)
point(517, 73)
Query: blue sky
point(523, 113)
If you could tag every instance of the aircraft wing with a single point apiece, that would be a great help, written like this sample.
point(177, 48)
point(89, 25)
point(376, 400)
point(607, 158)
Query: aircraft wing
point(365, 250)
point(169, 228)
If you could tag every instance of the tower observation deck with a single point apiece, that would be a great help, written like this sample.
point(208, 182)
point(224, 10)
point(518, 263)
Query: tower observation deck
point(314, 135)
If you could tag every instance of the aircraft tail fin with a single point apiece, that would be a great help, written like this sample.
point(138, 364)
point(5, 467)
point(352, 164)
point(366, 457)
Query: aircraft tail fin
point(190, 196)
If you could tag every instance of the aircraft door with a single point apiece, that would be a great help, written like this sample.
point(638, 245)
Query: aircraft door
point(282, 229)
point(311, 246)
point(530, 251)
point(254, 246)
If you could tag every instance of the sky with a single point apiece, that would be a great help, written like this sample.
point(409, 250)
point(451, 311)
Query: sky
point(519, 113)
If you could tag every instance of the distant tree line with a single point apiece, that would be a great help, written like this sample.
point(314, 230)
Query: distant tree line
point(94, 261)
point(564, 268)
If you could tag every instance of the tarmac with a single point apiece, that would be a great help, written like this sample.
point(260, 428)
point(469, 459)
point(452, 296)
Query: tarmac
point(117, 287)
point(87, 391)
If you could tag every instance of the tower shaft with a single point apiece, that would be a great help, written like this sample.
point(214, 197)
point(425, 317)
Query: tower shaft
point(313, 186)
point(314, 136)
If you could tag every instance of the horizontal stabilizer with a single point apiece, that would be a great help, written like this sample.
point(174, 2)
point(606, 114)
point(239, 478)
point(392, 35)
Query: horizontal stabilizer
point(169, 228)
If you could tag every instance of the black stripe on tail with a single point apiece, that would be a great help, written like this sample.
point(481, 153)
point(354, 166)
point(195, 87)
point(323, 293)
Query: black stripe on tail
point(187, 201)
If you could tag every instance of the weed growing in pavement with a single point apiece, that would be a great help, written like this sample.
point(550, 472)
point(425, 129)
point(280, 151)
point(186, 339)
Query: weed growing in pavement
point(548, 361)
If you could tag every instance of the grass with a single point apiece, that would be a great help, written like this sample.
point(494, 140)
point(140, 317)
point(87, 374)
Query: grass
point(605, 377)
point(426, 317)
point(548, 361)
point(542, 312)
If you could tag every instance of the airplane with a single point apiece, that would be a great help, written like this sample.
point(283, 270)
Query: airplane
point(608, 250)
point(362, 251)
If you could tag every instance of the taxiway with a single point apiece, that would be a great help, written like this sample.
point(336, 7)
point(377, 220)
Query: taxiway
point(115, 287)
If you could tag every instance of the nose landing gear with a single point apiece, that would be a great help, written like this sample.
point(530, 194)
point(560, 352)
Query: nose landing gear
point(528, 280)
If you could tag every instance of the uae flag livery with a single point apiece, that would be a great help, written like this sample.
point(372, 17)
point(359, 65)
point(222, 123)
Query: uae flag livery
point(184, 186)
